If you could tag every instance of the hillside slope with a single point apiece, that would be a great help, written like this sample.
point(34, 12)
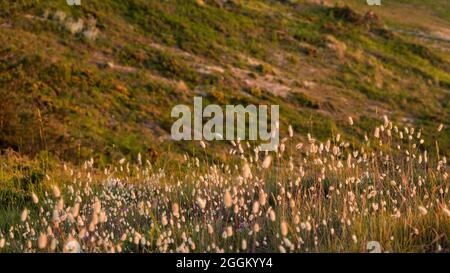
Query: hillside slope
point(100, 79)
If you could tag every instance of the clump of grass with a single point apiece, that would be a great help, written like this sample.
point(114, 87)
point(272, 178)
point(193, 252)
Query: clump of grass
point(301, 99)
point(91, 31)
point(74, 26)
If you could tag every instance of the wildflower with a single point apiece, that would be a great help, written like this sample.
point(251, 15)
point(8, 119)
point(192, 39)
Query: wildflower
point(292, 203)
point(229, 231)
point(377, 133)
point(244, 244)
point(137, 238)
point(76, 210)
point(34, 198)
point(282, 147)
point(102, 218)
point(119, 248)
point(201, 203)
point(350, 121)
point(210, 229)
point(267, 161)
point(422, 210)
point(55, 216)
point(42, 241)
point(202, 144)
point(308, 226)
point(93, 223)
point(60, 205)
point(287, 242)
point(53, 244)
point(201, 3)
point(446, 211)
point(397, 214)
point(255, 208)
point(375, 206)
point(256, 228)
point(227, 200)
point(82, 233)
point(164, 221)
point(441, 126)
point(284, 229)
point(24, 215)
point(56, 191)
point(262, 197)
point(175, 210)
point(72, 246)
point(246, 171)
point(291, 131)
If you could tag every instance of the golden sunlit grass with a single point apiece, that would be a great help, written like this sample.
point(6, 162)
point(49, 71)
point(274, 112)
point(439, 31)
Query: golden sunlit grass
point(307, 197)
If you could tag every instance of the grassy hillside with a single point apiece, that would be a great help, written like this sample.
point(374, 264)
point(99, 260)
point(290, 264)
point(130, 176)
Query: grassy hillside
point(100, 79)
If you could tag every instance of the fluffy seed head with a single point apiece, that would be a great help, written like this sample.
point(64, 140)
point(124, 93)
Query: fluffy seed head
point(42, 241)
point(24, 215)
point(267, 161)
point(227, 200)
point(56, 191)
point(284, 229)
point(34, 198)
point(246, 171)
point(422, 210)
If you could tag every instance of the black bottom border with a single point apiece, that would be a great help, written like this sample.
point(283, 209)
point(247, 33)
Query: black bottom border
point(223, 262)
